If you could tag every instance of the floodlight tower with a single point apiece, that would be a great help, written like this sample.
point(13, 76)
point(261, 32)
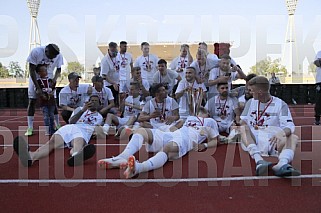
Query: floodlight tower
point(290, 54)
point(34, 39)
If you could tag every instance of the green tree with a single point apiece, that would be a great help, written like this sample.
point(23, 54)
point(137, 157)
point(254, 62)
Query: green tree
point(4, 72)
point(267, 66)
point(74, 66)
point(15, 69)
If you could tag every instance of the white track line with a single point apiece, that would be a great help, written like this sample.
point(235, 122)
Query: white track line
point(124, 144)
point(181, 180)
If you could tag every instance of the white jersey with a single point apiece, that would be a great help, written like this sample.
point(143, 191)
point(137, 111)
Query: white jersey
point(105, 95)
point(148, 66)
point(145, 83)
point(212, 56)
point(318, 69)
point(275, 113)
point(222, 110)
point(217, 72)
point(179, 65)
point(110, 67)
point(165, 108)
point(183, 102)
point(242, 99)
point(203, 72)
point(130, 111)
point(71, 98)
point(168, 79)
point(83, 128)
point(124, 61)
point(199, 129)
point(38, 56)
point(194, 131)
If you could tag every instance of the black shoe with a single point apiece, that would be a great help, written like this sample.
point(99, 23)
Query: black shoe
point(21, 147)
point(317, 122)
point(262, 168)
point(87, 152)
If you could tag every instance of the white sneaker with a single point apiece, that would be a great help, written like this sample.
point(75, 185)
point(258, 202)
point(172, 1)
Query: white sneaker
point(112, 130)
point(112, 163)
point(131, 168)
point(222, 139)
point(234, 136)
point(106, 129)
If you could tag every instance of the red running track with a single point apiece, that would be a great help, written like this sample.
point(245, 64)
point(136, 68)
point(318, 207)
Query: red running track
point(218, 180)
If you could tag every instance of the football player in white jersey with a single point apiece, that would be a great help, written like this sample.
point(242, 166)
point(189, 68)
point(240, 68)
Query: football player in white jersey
point(147, 62)
point(73, 95)
point(184, 60)
point(133, 106)
point(75, 135)
point(110, 66)
point(268, 130)
point(224, 109)
point(104, 93)
point(161, 111)
point(166, 145)
point(125, 66)
point(51, 57)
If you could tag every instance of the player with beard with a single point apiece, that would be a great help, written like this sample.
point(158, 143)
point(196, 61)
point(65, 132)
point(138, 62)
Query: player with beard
point(224, 109)
point(75, 135)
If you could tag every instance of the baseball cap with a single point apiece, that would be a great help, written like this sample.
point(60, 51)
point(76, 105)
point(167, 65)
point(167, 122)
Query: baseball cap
point(73, 75)
point(97, 78)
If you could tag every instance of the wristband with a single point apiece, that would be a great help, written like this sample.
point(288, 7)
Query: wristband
point(205, 145)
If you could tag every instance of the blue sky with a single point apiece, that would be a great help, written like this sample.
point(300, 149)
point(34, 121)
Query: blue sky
point(77, 25)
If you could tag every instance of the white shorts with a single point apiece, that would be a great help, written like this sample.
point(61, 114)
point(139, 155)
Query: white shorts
point(162, 126)
point(122, 121)
point(262, 141)
point(161, 139)
point(71, 131)
point(224, 126)
point(123, 86)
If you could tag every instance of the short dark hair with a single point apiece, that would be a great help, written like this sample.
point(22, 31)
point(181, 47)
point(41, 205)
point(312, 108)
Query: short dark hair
point(250, 76)
point(162, 61)
point(122, 42)
point(202, 43)
point(155, 88)
point(95, 96)
point(112, 44)
point(220, 84)
point(144, 43)
point(39, 66)
point(135, 69)
point(97, 78)
point(260, 82)
point(191, 68)
point(53, 49)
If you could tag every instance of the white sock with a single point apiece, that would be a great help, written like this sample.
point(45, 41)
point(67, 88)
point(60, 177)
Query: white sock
point(152, 163)
point(133, 146)
point(286, 156)
point(30, 121)
point(106, 128)
point(57, 119)
point(254, 152)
